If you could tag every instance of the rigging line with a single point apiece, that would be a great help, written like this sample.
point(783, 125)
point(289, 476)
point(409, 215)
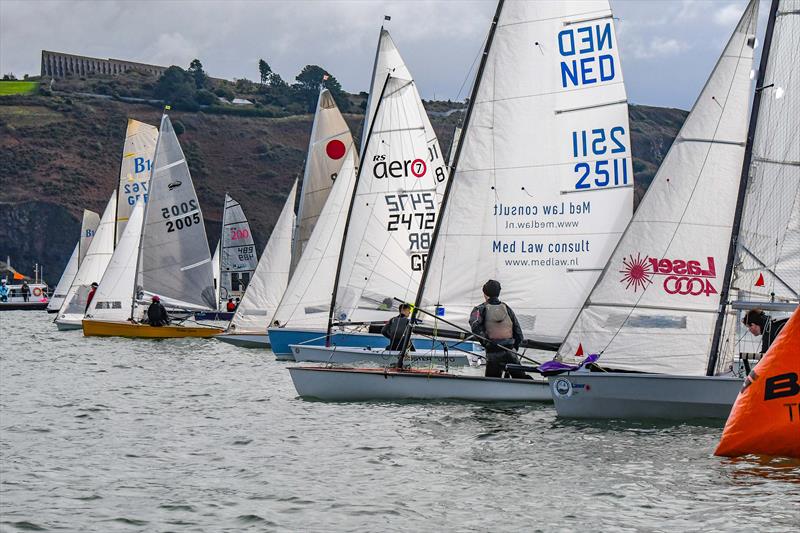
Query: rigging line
point(472, 66)
point(697, 180)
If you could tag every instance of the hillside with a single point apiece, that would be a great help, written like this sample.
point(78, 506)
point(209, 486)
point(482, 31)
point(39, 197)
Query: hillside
point(60, 154)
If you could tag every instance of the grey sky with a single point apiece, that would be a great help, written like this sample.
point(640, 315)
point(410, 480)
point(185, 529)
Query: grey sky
point(668, 47)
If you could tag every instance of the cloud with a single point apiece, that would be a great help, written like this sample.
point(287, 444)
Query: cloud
point(659, 47)
point(728, 15)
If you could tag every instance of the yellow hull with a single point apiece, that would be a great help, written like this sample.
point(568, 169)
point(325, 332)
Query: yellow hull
point(98, 328)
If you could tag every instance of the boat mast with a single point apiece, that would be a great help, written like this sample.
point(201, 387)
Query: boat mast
point(144, 216)
point(745, 176)
point(457, 156)
point(349, 214)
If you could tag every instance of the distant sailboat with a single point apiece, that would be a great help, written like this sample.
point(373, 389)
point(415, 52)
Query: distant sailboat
point(173, 260)
point(88, 228)
point(248, 328)
point(718, 222)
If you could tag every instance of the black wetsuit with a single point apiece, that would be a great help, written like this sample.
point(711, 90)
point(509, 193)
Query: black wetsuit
point(770, 329)
point(398, 331)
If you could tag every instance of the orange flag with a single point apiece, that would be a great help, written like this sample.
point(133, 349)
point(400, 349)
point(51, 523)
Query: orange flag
point(17, 275)
point(765, 419)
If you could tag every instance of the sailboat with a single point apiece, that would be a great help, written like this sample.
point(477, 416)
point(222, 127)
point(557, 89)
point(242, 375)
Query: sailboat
point(90, 271)
point(248, 327)
point(665, 308)
point(388, 224)
point(89, 224)
point(173, 260)
point(135, 167)
point(236, 253)
point(540, 191)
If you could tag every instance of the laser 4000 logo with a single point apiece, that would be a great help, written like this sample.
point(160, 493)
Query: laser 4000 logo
point(686, 277)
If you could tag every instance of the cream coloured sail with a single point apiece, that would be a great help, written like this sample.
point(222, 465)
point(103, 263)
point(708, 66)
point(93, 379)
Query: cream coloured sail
point(92, 268)
point(655, 305)
point(238, 259)
point(174, 260)
point(88, 228)
point(271, 277)
point(543, 184)
point(330, 140)
point(307, 299)
point(113, 299)
point(134, 172)
point(216, 269)
point(397, 197)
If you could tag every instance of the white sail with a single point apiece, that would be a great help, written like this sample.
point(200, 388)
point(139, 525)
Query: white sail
point(768, 264)
point(655, 305)
point(174, 260)
point(112, 300)
point(88, 228)
point(91, 221)
point(238, 259)
point(387, 61)
point(271, 277)
point(397, 197)
point(543, 186)
point(330, 140)
point(451, 156)
point(134, 172)
point(216, 269)
point(307, 299)
point(93, 266)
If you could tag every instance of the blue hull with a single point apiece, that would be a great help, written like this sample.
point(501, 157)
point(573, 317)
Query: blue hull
point(281, 338)
point(214, 315)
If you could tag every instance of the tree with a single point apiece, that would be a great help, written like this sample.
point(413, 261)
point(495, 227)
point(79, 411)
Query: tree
point(196, 71)
point(307, 87)
point(176, 86)
point(265, 70)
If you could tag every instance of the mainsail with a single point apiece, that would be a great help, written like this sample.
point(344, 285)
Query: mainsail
point(238, 258)
point(134, 172)
point(543, 184)
point(215, 266)
point(88, 228)
point(654, 307)
point(393, 214)
point(307, 298)
point(174, 260)
point(271, 277)
point(112, 300)
point(93, 265)
point(330, 140)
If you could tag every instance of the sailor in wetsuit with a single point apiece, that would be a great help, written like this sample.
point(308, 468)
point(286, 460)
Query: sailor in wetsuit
point(496, 322)
point(397, 330)
point(760, 323)
point(156, 314)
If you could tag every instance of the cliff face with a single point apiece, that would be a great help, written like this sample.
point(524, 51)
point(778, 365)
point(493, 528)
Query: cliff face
point(60, 155)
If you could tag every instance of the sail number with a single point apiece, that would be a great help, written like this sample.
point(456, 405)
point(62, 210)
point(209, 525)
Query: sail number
point(185, 213)
point(135, 191)
point(415, 213)
point(612, 170)
point(239, 234)
point(583, 61)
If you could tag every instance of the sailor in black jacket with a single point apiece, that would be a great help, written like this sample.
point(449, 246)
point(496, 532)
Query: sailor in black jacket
point(497, 322)
point(760, 323)
point(398, 329)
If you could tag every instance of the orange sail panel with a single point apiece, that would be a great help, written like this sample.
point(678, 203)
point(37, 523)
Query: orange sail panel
point(765, 419)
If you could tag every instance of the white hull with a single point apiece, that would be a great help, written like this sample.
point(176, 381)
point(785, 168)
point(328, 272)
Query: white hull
point(69, 323)
point(350, 355)
point(638, 396)
point(351, 384)
point(246, 340)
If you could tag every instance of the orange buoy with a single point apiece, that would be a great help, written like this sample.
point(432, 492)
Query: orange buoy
point(765, 419)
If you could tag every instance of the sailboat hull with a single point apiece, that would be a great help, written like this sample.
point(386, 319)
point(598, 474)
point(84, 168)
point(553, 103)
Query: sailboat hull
point(282, 338)
point(351, 356)
point(642, 396)
point(99, 328)
point(246, 340)
point(364, 384)
point(68, 324)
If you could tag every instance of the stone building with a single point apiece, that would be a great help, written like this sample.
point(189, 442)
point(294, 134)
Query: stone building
point(59, 65)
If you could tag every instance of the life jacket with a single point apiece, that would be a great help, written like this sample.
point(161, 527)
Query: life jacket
point(497, 322)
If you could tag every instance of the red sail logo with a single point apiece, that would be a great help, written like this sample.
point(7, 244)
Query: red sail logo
point(680, 276)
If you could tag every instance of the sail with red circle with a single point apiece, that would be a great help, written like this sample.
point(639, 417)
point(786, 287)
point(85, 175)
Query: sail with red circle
point(765, 419)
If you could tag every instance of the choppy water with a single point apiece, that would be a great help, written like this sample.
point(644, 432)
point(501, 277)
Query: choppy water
point(196, 435)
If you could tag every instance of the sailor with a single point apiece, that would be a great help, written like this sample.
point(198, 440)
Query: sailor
point(91, 295)
point(397, 330)
point(760, 323)
point(157, 314)
point(25, 290)
point(3, 291)
point(230, 306)
point(496, 322)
